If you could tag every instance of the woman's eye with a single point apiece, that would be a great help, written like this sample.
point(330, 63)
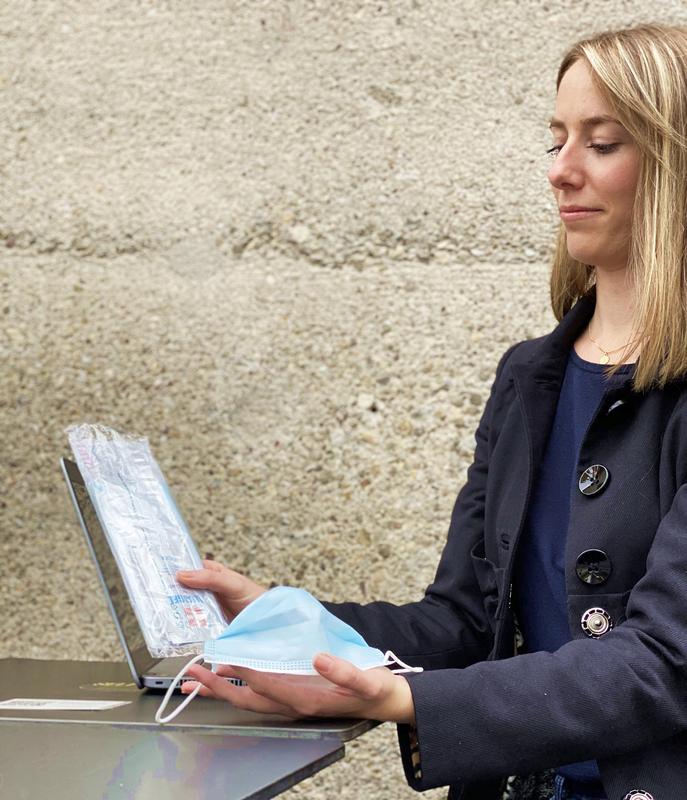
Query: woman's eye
point(604, 148)
point(600, 148)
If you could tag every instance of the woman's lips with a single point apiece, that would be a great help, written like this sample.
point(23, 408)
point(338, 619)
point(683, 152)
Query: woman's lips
point(570, 216)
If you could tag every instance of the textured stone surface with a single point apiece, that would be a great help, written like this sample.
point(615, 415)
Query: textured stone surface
point(288, 243)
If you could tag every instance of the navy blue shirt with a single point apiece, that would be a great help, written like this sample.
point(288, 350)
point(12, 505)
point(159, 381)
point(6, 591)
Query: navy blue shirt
point(540, 566)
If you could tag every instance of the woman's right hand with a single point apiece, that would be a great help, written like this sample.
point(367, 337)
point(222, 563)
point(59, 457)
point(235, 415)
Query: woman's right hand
point(232, 590)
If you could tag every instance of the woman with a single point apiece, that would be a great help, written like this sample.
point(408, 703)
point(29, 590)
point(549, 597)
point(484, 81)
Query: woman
point(574, 515)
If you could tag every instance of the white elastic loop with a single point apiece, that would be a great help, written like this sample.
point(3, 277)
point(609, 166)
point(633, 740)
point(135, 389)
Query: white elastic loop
point(163, 705)
point(390, 658)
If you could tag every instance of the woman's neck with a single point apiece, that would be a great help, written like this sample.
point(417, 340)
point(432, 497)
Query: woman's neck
point(612, 324)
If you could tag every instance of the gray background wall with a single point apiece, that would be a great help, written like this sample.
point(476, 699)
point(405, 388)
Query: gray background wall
point(287, 242)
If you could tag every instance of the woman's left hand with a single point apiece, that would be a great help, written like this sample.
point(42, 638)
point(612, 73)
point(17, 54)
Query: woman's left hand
point(347, 691)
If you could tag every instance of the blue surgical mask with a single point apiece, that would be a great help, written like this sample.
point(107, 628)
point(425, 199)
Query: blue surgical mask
point(282, 631)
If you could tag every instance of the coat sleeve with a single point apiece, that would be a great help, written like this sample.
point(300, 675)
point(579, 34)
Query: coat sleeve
point(449, 625)
point(591, 699)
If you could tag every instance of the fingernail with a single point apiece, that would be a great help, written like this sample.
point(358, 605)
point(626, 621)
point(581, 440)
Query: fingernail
point(324, 662)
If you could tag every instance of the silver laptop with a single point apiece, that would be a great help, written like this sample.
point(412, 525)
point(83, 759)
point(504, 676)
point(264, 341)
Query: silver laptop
point(148, 672)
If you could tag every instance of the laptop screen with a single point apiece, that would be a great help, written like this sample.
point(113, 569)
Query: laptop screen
point(118, 600)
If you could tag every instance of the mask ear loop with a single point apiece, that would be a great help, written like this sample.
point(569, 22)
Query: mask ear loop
point(390, 658)
point(163, 705)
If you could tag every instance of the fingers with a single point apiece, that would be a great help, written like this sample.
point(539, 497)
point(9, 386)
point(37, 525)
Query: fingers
point(296, 700)
point(217, 580)
point(239, 696)
point(234, 589)
point(226, 671)
point(366, 684)
point(339, 690)
point(188, 686)
point(208, 563)
point(229, 587)
point(303, 695)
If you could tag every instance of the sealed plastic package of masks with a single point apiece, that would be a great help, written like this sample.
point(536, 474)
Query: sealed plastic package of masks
point(148, 538)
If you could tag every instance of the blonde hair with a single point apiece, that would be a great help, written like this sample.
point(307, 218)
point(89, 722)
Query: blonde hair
point(642, 74)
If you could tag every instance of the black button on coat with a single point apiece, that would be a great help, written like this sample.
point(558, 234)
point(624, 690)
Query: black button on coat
point(620, 698)
point(593, 479)
point(593, 567)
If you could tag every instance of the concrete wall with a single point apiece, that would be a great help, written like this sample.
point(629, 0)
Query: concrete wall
point(286, 241)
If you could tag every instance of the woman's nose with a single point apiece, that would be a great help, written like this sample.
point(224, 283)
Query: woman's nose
point(566, 169)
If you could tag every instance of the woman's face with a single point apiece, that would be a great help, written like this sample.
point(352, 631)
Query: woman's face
point(595, 166)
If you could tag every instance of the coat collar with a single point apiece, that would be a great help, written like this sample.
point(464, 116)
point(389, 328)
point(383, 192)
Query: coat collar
point(538, 375)
point(545, 362)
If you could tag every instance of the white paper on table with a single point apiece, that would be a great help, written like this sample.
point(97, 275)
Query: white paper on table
point(49, 704)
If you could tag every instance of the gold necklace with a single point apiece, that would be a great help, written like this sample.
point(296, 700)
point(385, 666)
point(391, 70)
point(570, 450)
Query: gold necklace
point(606, 354)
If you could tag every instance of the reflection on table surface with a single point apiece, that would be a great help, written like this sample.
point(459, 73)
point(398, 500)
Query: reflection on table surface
point(66, 761)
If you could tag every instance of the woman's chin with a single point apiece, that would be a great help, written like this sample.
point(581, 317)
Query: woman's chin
point(585, 255)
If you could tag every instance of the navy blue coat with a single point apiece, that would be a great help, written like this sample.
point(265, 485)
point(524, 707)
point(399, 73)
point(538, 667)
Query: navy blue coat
point(621, 698)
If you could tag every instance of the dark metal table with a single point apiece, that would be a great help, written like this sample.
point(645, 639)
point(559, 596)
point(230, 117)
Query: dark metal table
point(210, 751)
